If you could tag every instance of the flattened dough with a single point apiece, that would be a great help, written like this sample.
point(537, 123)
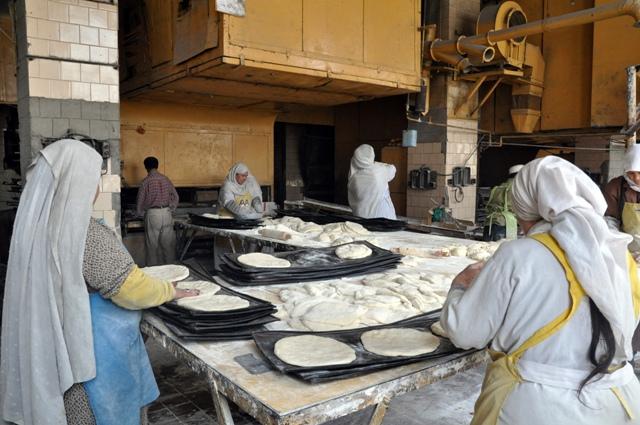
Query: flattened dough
point(313, 351)
point(258, 259)
point(353, 251)
point(170, 272)
point(205, 287)
point(213, 303)
point(399, 342)
point(437, 329)
point(217, 217)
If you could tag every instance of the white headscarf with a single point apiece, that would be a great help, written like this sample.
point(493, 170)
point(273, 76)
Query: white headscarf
point(632, 163)
point(250, 185)
point(47, 343)
point(560, 193)
point(363, 157)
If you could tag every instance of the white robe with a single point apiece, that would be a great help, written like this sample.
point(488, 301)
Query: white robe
point(368, 189)
point(520, 289)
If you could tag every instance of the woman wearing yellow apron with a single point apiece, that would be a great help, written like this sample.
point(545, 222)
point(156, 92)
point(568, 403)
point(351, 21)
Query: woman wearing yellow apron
point(240, 195)
point(557, 309)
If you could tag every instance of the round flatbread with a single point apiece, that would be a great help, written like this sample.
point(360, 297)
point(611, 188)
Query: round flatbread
point(170, 272)
point(205, 287)
point(217, 217)
point(353, 251)
point(213, 303)
point(399, 342)
point(258, 259)
point(313, 351)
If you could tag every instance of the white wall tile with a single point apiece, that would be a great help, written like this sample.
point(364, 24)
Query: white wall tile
point(89, 35)
point(110, 218)
point(80, 91)
point(70, 33)
point(61, 89)
point(89, 73)
point(98, 18)
point(38, 47)
point(39, 87)
point(58, 11)
point(103, 202)
point(108, 38)
point(99, 54)
point(32, 27)
point(108, 75)
point(70, 71)
point(113, 56)
point(79, 15)
point(112, 21)
point(37, 8)
point(111, 183)
point(50, 69)
point(49, 30)
point(59, 49)
point(114, 94)
point(34, 68)
point(99, 93)
point(80, 52)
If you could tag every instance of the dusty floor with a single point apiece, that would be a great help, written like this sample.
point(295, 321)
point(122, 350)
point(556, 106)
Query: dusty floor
point(184, 399)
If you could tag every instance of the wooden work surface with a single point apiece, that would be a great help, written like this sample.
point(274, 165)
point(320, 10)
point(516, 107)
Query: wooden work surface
point(275, 398)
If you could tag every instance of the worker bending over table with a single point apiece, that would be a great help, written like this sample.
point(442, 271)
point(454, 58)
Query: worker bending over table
point(557, 308)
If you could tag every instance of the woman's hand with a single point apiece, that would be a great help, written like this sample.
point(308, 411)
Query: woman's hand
point(183, 293)
point(465, 278)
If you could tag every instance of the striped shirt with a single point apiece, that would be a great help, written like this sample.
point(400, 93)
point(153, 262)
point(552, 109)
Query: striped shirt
point(156, 191)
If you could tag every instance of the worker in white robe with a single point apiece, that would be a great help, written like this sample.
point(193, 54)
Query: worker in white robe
point(534, 301)
point(240, 195)
point(368, 186)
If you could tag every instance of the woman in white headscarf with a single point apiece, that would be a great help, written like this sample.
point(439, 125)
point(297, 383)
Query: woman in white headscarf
point(557, 309)
point(240, 195)
point(368, 185)
point(70, 353)
point(623, 197)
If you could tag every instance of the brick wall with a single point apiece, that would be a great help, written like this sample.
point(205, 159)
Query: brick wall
point(68, 82)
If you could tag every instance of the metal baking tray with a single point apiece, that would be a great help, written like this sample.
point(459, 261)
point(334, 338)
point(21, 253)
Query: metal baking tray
point(226, 223)
point(266, 341)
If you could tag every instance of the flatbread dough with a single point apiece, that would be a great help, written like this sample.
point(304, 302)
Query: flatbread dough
point(205, 287)
point(217, 217)
point(437, 329)
point(313, 351)
point(258, 259)
point(399, 342)
point(213, 303)
point(170, 272)
point(353, 251)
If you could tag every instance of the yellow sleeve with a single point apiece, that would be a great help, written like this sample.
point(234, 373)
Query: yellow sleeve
point(141, 291)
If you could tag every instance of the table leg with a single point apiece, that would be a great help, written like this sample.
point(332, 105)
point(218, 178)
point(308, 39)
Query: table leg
point(187, 245)
point(223, 413)
point(379, 412)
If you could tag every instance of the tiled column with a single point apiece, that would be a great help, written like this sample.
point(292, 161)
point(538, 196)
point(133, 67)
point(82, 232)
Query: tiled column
point(68, 81)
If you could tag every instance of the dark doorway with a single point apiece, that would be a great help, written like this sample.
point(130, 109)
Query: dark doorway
point(304, 162)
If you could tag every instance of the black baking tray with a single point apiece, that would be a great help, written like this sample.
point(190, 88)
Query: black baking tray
point(213, 336)
point(309, 277)
point(211, 323)
point(371, 224)
point(266, 341)
point(214, 326)
point(227, 223)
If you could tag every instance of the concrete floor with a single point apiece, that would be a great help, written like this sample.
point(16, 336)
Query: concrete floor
point(185, 399)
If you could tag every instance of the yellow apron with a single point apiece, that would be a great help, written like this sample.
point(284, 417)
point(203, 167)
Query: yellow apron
point(631, 223)
point(502, 373)
point(243, 200)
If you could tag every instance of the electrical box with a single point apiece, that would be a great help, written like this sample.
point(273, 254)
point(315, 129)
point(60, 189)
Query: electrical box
point(461, 176)
point(423, 179)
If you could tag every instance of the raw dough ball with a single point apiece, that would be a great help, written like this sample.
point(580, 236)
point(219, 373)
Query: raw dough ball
point(205, 288)
point(459, 251)
point(313, 351)
point(258, 259)
point(309, 227)
point(332, 315)
point(437, 329)
point(480, 255)
point(399, 342)
point(342, 240)
point(324, 237)
point(170, 272)
point(358, 229)
point(353, 251)
point(214, 303)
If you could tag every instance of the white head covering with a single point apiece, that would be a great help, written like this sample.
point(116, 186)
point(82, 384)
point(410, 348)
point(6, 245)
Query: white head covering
point(47, 342)
point(514, 169)
point(250, 184)
point(632, 163)
point(363, 157)
point(560, 193)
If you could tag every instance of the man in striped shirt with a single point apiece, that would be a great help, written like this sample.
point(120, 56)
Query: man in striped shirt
point(157, 199)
